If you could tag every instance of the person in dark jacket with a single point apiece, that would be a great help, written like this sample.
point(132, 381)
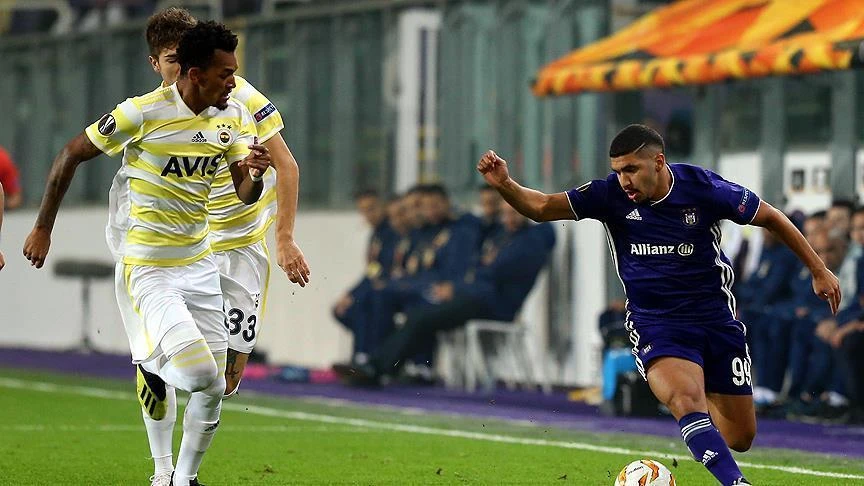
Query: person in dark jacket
point(495, 289)
point(769, 335)
point(352, 309)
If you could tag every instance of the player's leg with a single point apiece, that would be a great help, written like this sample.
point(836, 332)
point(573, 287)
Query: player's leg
point(671, 360)
point(735, 417)
point(679, 384)
point(728, 384)
point(245, 276)
point(157, 399)
point(204, 301)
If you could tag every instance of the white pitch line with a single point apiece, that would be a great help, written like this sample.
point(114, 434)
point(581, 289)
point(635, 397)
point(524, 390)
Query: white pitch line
point(413, 429)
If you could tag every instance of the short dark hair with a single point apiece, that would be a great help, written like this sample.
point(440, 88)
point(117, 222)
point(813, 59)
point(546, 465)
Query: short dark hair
point(843, 203)
point(434, 190)
point(633, 138)
point(165, 28)
point(364, 193)
point(199, 44)
point(821, 214)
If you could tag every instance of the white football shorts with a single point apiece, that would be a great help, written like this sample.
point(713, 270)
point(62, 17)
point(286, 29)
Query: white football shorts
point(153, 300)
point(245, 275)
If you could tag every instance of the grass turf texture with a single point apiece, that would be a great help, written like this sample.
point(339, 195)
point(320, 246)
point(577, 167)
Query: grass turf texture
point(62, 436)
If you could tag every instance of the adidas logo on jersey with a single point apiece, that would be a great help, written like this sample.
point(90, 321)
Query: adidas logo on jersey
point(634, 215)
point(199, 138)
point(709, 454)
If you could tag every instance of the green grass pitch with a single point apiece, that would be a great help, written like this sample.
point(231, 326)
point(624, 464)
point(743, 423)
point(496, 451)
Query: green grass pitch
point(56, 429)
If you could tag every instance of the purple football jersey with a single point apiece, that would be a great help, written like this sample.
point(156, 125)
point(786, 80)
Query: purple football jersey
point(667, 252)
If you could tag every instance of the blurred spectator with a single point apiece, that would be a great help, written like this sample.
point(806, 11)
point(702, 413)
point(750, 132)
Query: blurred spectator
point(617, 350)
point(768, 334)
point(815, 223)
point(352, 309)
point(839, 217)
point(490, 211)
point(10, 179)
point(811, 361)
point(495, 289)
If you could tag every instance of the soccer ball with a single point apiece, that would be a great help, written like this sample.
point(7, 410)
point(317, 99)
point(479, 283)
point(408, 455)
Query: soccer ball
point(645, 473)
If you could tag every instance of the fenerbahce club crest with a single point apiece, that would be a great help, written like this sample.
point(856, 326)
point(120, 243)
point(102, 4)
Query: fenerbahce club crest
point(689, 217)
point(224, 134)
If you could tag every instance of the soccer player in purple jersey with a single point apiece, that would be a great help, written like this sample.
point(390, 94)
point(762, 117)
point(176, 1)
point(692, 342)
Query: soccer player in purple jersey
point(662, 223)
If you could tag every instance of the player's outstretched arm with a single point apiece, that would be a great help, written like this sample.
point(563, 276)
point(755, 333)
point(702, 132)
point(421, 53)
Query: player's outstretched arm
point(289, 257)
point(825, 283)
point(78, 150)
point(247, 174)
point(532, 204)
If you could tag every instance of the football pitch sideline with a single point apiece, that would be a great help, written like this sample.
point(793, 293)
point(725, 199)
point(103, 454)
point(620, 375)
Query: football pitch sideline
point(57, 429)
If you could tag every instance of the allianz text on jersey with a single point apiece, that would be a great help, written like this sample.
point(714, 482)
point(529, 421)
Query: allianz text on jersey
point(642, 249)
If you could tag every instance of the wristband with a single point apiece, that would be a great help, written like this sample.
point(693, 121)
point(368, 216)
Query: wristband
point(254, 178)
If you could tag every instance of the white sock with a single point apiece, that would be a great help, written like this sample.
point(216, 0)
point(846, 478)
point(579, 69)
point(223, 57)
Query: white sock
point(161, 434)
point(199, 425)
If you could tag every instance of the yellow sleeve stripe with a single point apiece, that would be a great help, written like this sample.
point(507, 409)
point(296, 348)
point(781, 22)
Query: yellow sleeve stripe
point(143, 236)
point(270, 127)
point(246, 216)
point(147, 188)
point(114, 143)
point(170, 218)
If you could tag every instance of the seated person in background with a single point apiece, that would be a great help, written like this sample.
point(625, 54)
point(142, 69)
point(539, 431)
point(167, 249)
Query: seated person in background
point(490, 212)
point(811, 363)
point(443, 250)
point(617, 349)
point(351, 309)
point(768, 334)
point(495, 289)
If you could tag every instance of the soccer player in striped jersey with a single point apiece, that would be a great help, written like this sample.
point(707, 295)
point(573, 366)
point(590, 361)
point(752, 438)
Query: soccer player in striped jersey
point(174, 142)
point(237, 231)
point(662, 225)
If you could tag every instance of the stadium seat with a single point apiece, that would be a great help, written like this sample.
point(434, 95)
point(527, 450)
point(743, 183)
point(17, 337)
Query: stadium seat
point(465, 362)
point(87, 271)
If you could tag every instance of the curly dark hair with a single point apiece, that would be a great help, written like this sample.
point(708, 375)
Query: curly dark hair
point(165, 28)
point(199, 43)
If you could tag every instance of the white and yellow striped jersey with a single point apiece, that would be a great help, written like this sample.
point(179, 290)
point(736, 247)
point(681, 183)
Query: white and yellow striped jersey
point(158, 199)
point(232, 223)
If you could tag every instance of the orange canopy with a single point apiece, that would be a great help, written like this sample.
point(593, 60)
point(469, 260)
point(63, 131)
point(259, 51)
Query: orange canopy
point(706, 41)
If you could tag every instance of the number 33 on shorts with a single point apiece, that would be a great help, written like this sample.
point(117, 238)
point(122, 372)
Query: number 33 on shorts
point(237, 322)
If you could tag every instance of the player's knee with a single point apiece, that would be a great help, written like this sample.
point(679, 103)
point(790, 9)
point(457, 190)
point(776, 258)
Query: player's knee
point(741, 441)
point(202, 379)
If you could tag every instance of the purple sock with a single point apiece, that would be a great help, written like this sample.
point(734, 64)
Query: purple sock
point(708, 447)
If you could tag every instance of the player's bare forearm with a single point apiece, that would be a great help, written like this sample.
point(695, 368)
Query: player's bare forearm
point(772, 219)
point(527, 201)
point(249, 191)
point(287, 186)
point(532, 204)
point(76, 151)
point(289, 257)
